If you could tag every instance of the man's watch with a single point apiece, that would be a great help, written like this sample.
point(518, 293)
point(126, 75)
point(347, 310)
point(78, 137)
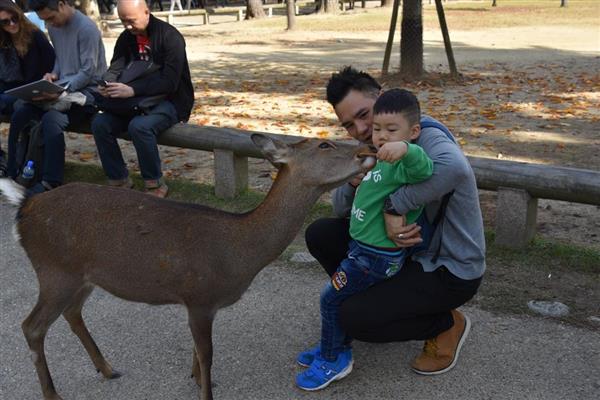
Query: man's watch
point(388, 207)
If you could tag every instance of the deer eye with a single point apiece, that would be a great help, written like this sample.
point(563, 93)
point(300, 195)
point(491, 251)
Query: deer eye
point(325, 145)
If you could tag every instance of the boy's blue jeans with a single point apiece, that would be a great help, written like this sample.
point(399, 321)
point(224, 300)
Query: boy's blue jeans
point(362, 268)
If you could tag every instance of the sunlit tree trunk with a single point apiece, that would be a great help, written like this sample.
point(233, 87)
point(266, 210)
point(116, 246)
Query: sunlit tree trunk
point(291, 14)
point(254, 9)
point(411, 40)
point(329, 6)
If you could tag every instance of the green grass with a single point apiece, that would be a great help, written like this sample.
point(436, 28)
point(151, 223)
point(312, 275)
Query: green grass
point(459, 16)
point(553, 255)
point(187, 191)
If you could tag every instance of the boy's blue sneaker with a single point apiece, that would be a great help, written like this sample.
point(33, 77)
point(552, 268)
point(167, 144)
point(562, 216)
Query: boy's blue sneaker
point(306, 358)
point(321, 373)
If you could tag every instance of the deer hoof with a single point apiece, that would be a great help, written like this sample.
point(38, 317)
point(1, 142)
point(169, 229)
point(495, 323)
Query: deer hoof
point(115, 375)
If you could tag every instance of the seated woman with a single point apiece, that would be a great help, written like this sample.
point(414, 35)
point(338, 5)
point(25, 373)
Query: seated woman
point(25, 56)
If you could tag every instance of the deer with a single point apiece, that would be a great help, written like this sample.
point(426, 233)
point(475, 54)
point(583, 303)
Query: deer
point(159, 251)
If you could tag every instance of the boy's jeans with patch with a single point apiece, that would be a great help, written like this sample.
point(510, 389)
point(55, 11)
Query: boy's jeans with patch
point(362, 268)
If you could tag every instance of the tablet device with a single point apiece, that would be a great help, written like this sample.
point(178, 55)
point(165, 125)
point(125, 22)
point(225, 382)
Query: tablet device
point(35, 89)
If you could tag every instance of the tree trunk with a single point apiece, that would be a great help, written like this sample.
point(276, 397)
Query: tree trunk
point(411, 40)
point(386, 3)
point(493, 3)
point(89, 8)
point(329, 6)
point(564, 3)
point(254, 9)
point(291, 14)
point(446, 35)
point(390, 42)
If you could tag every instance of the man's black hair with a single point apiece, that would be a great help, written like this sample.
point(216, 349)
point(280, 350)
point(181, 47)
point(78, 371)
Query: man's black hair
point(348, 79)
point(37, 5)
point(399, 101)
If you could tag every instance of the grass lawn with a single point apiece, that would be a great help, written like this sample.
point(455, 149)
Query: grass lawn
point(471, 15)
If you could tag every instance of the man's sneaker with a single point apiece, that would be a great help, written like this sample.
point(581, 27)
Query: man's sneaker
point(306, 358)
point(321, 373)
point(441, 353)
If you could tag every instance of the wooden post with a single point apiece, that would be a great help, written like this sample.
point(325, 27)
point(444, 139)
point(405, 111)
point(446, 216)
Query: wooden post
point(390, 41)
point(231, 174)
point(447, 43)
point(516, 213)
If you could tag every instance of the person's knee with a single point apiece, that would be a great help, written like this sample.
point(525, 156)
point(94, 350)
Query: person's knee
point(101, 125)
point(316, 232)
point(54, 122)
point(139, 129)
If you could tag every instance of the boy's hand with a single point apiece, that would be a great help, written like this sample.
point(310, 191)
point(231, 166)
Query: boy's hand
point(392, 151)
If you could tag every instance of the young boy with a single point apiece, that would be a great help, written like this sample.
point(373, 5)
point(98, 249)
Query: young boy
point(372, 257)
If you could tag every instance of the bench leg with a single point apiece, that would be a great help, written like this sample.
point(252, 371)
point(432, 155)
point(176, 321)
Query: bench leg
point(231, 174)
point(240, 15)
point(516, 213)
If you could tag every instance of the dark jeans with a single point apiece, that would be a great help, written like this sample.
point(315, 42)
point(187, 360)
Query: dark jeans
point(411, 305)
point(53, 125)
point(143, 131)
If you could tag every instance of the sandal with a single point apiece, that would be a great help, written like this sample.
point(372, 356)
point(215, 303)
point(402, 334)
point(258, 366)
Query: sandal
point(157, 188)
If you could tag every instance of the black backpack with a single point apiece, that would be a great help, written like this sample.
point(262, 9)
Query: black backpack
point(30, 147)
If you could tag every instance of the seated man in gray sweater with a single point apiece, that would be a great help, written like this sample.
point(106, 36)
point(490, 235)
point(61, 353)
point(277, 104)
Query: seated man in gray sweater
point(80, 61)
point(446, 244)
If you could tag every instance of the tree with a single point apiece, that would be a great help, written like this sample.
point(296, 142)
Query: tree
point(291, 15)
point(254, 9)
point(411, 40)
point(329, 6)
point(89, 8)
point(493, 3)
point(386, 3)
point(564, 3)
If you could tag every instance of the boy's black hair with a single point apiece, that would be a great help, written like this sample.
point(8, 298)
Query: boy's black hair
point(348, 79)
point(399, 101)
point(37, 5)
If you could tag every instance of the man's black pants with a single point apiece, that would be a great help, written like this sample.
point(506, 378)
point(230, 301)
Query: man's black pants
point(412, 305)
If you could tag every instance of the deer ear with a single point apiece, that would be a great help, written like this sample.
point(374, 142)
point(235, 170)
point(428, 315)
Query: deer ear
point(274, 150)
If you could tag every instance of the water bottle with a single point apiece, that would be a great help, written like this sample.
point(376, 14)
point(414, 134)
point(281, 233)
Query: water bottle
point(28, 171)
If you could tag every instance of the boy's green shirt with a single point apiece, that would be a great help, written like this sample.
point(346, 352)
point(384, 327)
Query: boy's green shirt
point(366, 220)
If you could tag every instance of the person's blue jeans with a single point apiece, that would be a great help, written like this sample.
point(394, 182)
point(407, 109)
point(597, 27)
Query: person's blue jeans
point(53, 125)
point(362, 268)
point(143, 131)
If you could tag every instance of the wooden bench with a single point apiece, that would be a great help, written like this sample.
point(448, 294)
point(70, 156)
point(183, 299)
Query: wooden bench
point(519, 184)
point(170, 16)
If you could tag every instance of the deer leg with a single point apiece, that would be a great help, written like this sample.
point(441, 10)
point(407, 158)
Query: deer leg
point(54, 296)
point(73, 316)
point(201, 326)
point(196, 367)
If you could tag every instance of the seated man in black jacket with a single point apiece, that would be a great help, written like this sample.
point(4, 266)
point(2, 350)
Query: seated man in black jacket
point(145, 38)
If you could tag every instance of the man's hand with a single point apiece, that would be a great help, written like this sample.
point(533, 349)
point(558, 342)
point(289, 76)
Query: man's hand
point(44, 97)
point(357, 180)
point(401, 234)
point(117, 90)
point(50, 77)
point(392, 151)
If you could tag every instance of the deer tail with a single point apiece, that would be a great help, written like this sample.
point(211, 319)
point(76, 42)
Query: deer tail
point(12, 191)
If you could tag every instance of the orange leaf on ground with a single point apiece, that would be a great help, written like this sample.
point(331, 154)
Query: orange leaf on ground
point(86, 156)
point(322, 134)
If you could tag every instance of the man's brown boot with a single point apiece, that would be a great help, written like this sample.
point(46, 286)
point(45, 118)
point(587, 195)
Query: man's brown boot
point(440, 353)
